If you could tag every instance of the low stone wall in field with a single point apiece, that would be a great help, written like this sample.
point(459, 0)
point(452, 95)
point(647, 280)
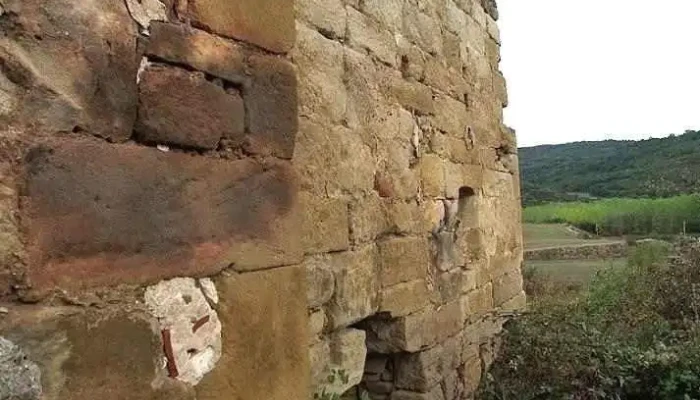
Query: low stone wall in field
point(580, 252)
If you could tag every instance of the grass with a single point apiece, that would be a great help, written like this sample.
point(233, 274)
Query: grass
point(572, 271)
point(538, 236)
point(616, 217)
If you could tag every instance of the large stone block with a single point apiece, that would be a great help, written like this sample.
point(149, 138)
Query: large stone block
point(368, 219)
point(356, 286)
point(416, 331)
point(421, 371)
point(265, 23)
point(404, 298)
point(263, 314)
point(98, 214)
point(328, 16)
point(320, 62)
point(403, 260)
point(271, 106)
point(200, 50)
point(93, 87)
point(507, 287)
point(320, 280)
point(478, 303)
point(325, 224)
point(182, 108)
point(434, 394)
point(346, 353)
point(422, 29)
point(387, 12)
point(366, 34)
point(432, 173)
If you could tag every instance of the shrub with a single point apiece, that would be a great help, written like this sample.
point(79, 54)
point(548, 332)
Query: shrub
point(635, 334)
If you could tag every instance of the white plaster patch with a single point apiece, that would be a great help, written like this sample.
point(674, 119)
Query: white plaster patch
point(145, 11)
point(190, 328)
point(142, 67)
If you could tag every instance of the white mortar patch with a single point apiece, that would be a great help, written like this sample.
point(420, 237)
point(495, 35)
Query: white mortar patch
point(190, 328)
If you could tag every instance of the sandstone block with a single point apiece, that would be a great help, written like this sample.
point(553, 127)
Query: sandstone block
point(412, 95)
point(432, 173)
point(271, 106)
point(319, 60)
point(455, 18)
point(332, 160)
point(478, 302)
point(328, 16)
point(492, 29)
point(366, 34)
point(98, 214)
point(200, 50)
point(404, 298)
point(423, 370)
point(450, 116)
point(405, 218)
point(417, 331)
point(368, 219)
point(499, 83)
point(272, 305)
point(517, 303)
point(458, 176)
point(471, 374)
point(452, 386)
point(265, 23)
point(356, 286)
point(403, 260)
point(507, 287)
point(320, 280)
point(93, 87)
point(182, 108)
point(317, 322)
point(325, 224)
point(387, 12)
point(450, 285)
point(422, 29)
point(447, 78)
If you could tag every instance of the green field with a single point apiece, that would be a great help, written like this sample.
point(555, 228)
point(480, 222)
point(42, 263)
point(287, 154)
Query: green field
point(616, 217)
point(539, 236)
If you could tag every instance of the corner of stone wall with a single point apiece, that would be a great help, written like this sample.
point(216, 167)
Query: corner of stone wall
point(410, 184)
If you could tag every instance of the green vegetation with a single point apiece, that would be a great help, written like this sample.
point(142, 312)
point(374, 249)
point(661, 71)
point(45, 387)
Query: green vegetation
point(588, 170)
point(538, 236)
point(634, 334)
point(615, 217)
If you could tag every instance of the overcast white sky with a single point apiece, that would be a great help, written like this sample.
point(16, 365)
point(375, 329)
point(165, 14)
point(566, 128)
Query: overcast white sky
point(600, 69)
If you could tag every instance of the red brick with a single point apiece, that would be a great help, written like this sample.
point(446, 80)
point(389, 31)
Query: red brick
point(271, 107)
point(266, 23)
point(98, 214)
point(182, 108)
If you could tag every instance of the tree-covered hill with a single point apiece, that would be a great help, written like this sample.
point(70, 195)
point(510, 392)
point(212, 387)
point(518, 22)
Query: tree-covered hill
point(611, 168)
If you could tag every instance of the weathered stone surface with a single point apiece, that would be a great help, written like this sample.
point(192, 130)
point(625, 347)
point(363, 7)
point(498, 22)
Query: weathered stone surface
point(317, 322)
point(506, 287)
point(320, 280)
point(387, 12)
point(403, 260)
point(368, 219)
point(328, 16)
point(366, 34)
point(145, 11)
point(432, 173)
point(266, 23)
point(200, 50)
point(92, 88)
point(450, 285)
point(347, 354)
point(356, 286)
point(331, 161)
point(20, 378)
point(99, 214)
point(417, 331)
point(271, 107)
point(423, 370)
point(471, 373)
point(404, 298)
point(325, 224)
point(421, 29)
point(320, 61)
point(272, 305)
point(478, 302)
point(412, 95)
point(191, 326)
point(517, 303)
point(182, 108)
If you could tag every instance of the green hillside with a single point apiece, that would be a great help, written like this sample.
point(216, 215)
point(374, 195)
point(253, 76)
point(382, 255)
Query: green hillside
point(611, 168)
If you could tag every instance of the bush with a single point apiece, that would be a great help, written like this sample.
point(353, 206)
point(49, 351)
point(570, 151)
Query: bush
point(635, 334)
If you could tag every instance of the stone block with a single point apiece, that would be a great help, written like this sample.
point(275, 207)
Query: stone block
point(412, 95)
point(405, 218)
point(432, 173)
point(265, 23)
point(198, 49)
point(181, 108)
point(469, 280)
point(416, 331)
point(404, 298)
point(343, 351)
point(517, 303)
point(424, 370)
point(327, 16)
point(271, 106)
point(93, 87)
point(368, 219)
point(471, 374)
point(356, 286)
point(458, 176)
point(387, 12)
point(320, 280)
point(450, 116)
point(455, 18)
point(452, 386)
point(492, 29)
point(331, 161)
point(450, 285)
point(422, 29)
point(98, 214)
point(146, 11)
point(448, 79)
point(366, 34)
point(413, 60)
point(262, 313)
point(500, 89)
point(325, 224)
point(507, 287)
point(317, 322)
point(403, 260)
point(319, 60)
point(478, 303)
point(20, 378)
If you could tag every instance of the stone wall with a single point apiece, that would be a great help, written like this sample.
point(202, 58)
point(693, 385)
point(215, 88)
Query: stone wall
point(215, 199)
point(594, 251)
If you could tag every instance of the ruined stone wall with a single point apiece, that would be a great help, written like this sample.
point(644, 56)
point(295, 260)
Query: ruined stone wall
point(216, 199)
point(410, 185)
